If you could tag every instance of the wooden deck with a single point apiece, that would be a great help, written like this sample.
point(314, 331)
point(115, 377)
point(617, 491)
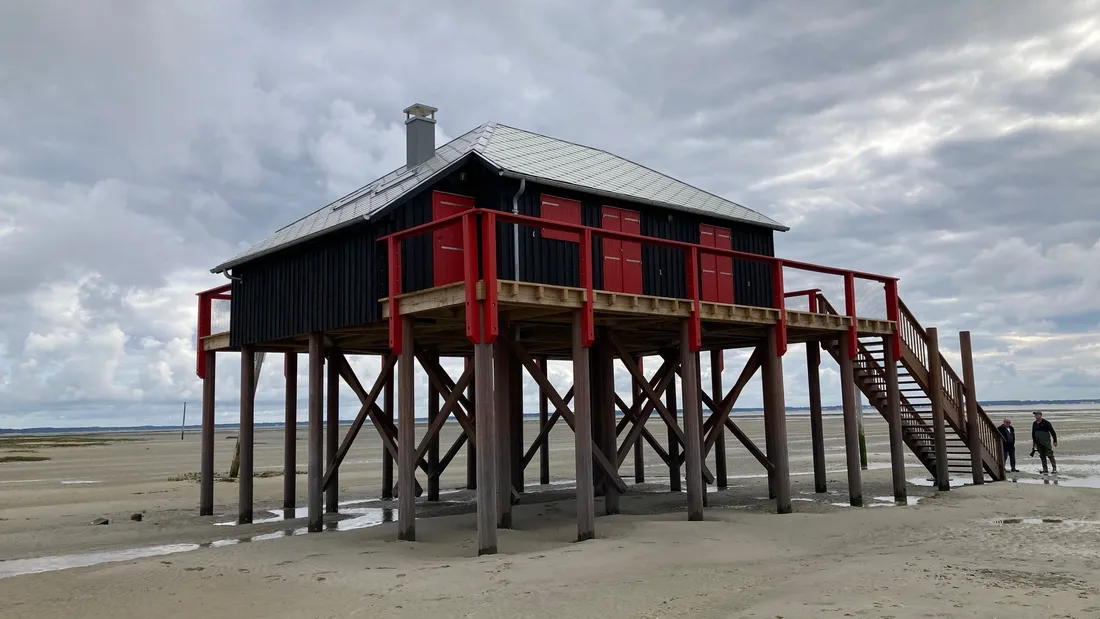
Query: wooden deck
point(544, 316)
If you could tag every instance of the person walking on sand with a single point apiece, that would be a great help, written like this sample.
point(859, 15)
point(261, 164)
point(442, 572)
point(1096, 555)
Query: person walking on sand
point(1008, 434)
point(1044, 439)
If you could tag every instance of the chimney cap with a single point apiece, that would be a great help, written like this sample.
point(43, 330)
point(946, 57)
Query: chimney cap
point(421, 111)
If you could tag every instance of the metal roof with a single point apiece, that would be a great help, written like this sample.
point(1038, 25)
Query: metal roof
point(519, 154)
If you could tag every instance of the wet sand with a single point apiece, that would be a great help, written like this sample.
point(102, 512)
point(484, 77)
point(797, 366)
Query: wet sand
point(1024, 549)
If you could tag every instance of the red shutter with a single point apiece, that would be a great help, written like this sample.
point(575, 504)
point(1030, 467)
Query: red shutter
point(632, 252)
point(722, 240)
point(717, 270)
point(611, 219)
point(447, 241)
point(563, 210)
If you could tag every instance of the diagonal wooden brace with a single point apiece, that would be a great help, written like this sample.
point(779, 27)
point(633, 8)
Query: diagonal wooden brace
point(443, 383)
point(387, 364)
point(544, 433)
point(444, 411)
point(547, 387)
point(722, 411)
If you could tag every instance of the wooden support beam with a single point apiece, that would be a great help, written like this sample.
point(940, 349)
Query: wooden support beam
point(445, 461)
point(290, 429)
point(544, 431)
point(660, 382)
point(432, 434)
point(343, 368)
point(674, 456)
point(582, 428)
point(503, 415)
point(387, 415)
point(541, 442)
point(314, 486)
point(605, 399)
point(693, 421)
point(406, 427)
point(773, 379)
point(893, 419)
point(206, 486)
point(548, 388)
point(332, 436)
point(851, 423)
point(725, 407)
point(486, 463)
point(817, 421)
point(246, 434)
point(471, 447)
point(935, 394)
point(433, 437)
point(636, 404)
point(973, 438)
point(760, 456)
point(515, 442)
point(719, 432)
point(438, 376)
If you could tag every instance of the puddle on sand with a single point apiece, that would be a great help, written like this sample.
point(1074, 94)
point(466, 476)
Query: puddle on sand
point(889, 500)
point(928, 482)
point(362, 518)
point(1034, 521)
point(69, 482)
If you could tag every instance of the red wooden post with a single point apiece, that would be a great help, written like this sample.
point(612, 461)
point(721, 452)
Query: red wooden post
point(588, 314)
point(394, 247)
point(491, 327)
point(893, 313)
point(781, 305)
point(469, 269)
point(202, 331)
point(850, 309)
point(695, 324)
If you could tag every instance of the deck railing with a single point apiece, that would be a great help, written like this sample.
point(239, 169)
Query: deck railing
point(206, 322)
point(484, 328)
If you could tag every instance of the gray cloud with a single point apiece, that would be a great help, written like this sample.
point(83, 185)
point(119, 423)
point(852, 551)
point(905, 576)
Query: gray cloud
point(141, 144)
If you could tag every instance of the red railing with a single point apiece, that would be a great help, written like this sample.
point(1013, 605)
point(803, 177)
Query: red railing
point(475, 329)
point(206, 301)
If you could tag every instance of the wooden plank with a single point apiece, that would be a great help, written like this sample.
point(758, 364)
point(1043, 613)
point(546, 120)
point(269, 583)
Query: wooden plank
point(486, 463)
point(893, 419)
point(342, 367)
point(935, 394)
point(692, 425)
point(582, 428)
point(206, 475)
point(290, 429)
point(331, 481)
point(406, 427)
point(217, 341)
point(314, 487)
point(246, 434)
point(773, 375)
point(851, 423)
point(817, 421)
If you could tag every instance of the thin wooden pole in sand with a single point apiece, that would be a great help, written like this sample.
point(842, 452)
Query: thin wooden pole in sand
point(935, 389)
point(515, 442)
point(387, 457)
point(769, 434)
point(471, 448)
point(502, 416)
point(609, 438)
point(673, 440)
point(544, 418)
point(290, 430)
point(851, 425)
point(974, 440)
point(639, 455)
point(859, 426)
point(406, 438)
point(893, 410)
point(817, 422)
point(693, 442)
point(183, 422)
point(332, 434)
point(716, 366)
point(777, 415)
point(582, 428)
point(433, 442)
point(206, 465)
point(486, 466)
point(314, 475)
point(248, 402)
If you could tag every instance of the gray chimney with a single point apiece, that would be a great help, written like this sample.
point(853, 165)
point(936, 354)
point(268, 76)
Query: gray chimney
point(419, 134)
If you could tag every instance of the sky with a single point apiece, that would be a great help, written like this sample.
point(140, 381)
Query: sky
point(143, 143)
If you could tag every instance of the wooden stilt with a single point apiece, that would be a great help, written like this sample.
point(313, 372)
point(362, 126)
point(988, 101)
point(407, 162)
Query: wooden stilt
point(406, 438)
point(769, 434)
point(544, 417)
point(582, 398)
point(817, 422)
point(245, 435)
point(693, 437)
point(433, 441)
point(290, 431)
point(635, 404)
point(502, 413)
point(388, 418)
point(515, 408)
point(487, 512)
point(935, 384)
point(699, 414)
point(974, 441)
point(316, 470)
point(851, 424)
point(206, 487)
point(608, 439)
point(773, 378)
point(332, 435)
point(673, 441)
point(893, 409)
point(720, 437)
point(471, 448)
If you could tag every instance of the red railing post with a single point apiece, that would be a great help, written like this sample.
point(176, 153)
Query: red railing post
point(469, 271)
point(491, 328)
point(394, 247)
point(781, 305)
point(850, 309)
point(695, 324)
point(588, 313)
point(893, 313)
point(202, 331)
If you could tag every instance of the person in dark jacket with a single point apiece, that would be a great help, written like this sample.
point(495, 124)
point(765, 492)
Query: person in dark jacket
point(1044, 439)
point(1008, 434)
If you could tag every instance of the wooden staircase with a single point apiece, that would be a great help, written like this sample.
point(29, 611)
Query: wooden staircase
point(916, 403)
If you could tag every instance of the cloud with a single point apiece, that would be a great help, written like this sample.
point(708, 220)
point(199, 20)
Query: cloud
point(953, 148)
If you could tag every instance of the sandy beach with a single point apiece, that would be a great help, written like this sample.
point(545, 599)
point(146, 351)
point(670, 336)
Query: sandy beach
point(1026, 548)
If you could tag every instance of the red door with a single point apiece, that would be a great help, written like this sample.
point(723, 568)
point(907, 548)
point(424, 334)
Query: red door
point(447, 241)
point(717, 270)
point(622, 260)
